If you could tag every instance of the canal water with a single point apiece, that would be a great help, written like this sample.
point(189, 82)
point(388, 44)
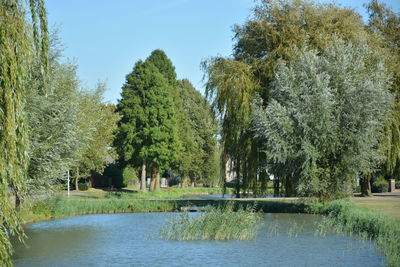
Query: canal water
point(133, 240)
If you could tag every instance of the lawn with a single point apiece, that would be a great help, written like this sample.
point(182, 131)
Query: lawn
point(389, 206)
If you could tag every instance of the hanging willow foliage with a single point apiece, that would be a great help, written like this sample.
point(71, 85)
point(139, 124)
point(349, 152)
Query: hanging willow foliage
point(15, 58)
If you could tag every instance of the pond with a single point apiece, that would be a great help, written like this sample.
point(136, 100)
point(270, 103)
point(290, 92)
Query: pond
point(133, 240)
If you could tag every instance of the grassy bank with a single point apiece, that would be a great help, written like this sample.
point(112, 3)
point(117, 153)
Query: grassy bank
point(59, 207)
point(345, 217)
point(135, 193)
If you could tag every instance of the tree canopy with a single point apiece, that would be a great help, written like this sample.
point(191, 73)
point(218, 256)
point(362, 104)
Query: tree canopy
point(325, 119)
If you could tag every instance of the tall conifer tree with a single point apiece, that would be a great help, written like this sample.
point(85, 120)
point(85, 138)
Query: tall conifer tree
point(147, 133)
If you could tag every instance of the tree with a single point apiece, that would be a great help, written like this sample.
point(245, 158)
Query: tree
point(147, 130)
point(15, 57)
point(199, 136)
point(384, 24)
point(52, 119)
point(324, 121)
point(273, 33)
point(94, 129)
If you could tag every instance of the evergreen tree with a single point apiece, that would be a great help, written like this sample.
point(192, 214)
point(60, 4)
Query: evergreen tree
point(147, 131)
point(200, 131)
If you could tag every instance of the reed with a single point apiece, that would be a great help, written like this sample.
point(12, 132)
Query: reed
point(344, 217)
point(217, 223)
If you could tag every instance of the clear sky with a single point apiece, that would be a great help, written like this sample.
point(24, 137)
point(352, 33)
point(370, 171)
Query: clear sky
point(106, 37)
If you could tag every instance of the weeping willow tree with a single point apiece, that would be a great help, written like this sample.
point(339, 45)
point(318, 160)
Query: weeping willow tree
point(385, 25)
point(15, 58)
point(231, 85)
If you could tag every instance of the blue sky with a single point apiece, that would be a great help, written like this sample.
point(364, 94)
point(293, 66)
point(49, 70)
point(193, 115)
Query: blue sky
point(105, 38)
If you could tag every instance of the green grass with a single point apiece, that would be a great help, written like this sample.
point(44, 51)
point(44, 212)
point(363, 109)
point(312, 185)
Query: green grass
point(217, 223)
point(345, 217)
point(164, 193)
point(390, 207)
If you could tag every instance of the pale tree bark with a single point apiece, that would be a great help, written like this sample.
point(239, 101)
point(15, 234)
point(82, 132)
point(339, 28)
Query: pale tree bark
point(143, 177)
point(158, 181)
point(77, 179)
point(192, 179)
point(153, 178)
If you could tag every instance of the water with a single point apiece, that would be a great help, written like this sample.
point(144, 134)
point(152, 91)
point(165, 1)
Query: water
point(132, 240)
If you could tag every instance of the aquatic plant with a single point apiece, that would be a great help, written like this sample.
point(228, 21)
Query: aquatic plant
point(217, 223)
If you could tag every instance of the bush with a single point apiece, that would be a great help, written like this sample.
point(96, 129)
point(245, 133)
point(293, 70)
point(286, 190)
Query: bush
point(398, 184)
point(380, 185)
point(83, 186)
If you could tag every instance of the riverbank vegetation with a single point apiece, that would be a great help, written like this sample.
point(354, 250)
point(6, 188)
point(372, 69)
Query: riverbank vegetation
point(344, 217)
point(216, 223)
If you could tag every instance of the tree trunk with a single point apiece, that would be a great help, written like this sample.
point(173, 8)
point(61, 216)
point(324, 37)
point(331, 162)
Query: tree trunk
point(153, 178)
point(77, 179)
point(158, 181)
point(143, 177)
point(365, 187)
point(276, 187)
point(289, 188)
point(192, 179)
point(17, 201)
point(237, 193)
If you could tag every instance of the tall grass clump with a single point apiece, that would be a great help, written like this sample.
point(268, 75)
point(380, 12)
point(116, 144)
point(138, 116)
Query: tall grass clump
point(217, 223)
point(345, 218)
point(59, 207)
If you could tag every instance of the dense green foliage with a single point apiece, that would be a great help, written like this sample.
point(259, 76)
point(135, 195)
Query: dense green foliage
point(197, 129)
point(216, 223)
point(324, 119)
point(380, 185)
point(165, 124)
point(147, 131)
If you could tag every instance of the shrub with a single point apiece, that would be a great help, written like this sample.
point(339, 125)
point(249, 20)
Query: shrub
point(83, 186)
point(380, 185)
point(398, 184)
